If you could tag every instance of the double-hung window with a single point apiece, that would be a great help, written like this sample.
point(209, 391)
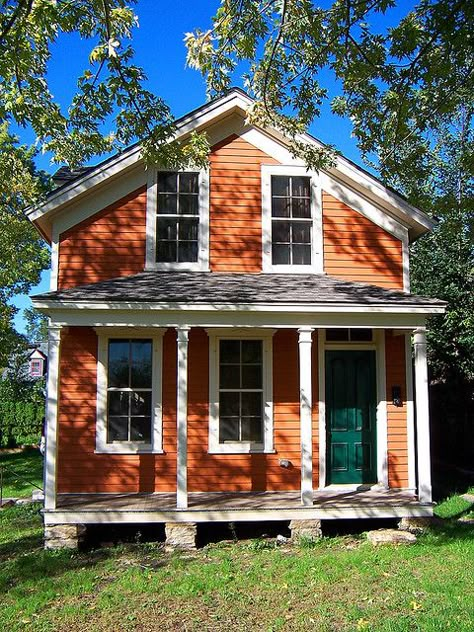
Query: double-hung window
point(128, 404)
point(240, 394)
point(177, 220)
point(291, 220)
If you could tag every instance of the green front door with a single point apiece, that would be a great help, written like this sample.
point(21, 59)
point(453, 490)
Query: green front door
point(350, 417)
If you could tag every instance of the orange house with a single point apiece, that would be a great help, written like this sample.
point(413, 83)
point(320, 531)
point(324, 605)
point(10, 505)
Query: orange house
point(233, 343)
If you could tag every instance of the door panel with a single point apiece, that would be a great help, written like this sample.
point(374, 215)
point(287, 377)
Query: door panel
point(351, 416)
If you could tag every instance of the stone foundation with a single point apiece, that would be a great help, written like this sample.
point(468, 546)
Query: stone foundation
point(63, 536)
point(180, 536)
point(415, 525)
point(306, 529)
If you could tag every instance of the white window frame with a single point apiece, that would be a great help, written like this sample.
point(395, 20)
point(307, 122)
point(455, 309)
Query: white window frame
point(202, 264)
point(40, 371)
point(129, 447)
point(316, 216)
point(240, 447)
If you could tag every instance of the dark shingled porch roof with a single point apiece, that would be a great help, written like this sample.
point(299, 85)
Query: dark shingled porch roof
point(224, 288)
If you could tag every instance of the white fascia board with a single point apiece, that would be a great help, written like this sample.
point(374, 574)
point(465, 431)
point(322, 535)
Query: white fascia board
point(311, 308)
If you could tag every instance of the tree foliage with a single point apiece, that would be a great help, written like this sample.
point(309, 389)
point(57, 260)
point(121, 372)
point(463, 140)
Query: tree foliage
point(398, 83)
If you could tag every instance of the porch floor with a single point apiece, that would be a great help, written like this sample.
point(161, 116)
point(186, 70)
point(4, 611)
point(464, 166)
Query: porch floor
point(235, 506)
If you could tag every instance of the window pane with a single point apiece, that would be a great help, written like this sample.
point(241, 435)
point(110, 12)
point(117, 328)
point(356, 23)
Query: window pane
point(281, 232)
point(140, 404)
point(229, 376)
point(280, 254)
point(188, 229)
point(251, 351)
point(229, 351)
point(141, 363)
point(188, 251)
point(188, 205)
point(361, 335)
point(117, 429)
point(301, 232)
point(281, 185)
point(301, 207)
point(140, 429)
point(252, 429)
point(252, 405)
point(229, 404)
point(167, 181)
point(251, 376)
point(301, 186)
point(166, 251)
point(228, 429)
point(281, 207)
point(302, 255)
point(166, 228)
point(118, 403)
point(118, 373)
point(189, 182)
point(335, 335)
point(167, 203)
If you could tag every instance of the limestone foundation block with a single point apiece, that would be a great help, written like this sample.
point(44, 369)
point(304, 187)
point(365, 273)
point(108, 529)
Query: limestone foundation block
point(310, 529)
point(390, 536)
point(415, 525)
point(63, 536)
point(180, 536)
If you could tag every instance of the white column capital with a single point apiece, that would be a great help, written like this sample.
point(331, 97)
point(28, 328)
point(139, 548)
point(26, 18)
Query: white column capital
point(419, 336)
point(305, 335)
point(182, 333)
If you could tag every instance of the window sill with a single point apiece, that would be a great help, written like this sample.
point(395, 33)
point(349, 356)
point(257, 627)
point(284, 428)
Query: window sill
point(178, 267)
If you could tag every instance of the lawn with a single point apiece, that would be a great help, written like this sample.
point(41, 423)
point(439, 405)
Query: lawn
point(340, 583)
point(22, 472)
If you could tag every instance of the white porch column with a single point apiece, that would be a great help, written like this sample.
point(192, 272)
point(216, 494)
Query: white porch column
point(306, 423)
point(422, 417)
point(182, 418)
point(50, 467)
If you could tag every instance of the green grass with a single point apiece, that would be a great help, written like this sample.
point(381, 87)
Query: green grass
point(23, 470)
point(338, 584)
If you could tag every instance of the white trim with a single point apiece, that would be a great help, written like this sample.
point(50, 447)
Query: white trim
point(202, 263)
point(342, 308)
point(406, 263)
point(129, 447)
point(356, 201)
point(378, 345)
point(422, 417)
point(305, 342)
point(322, 407)
point(215, 335)
point(53, 279)
point(182, 340)
point(265, 320)
point(410, 413)
point(52, 395)
point(316, 219)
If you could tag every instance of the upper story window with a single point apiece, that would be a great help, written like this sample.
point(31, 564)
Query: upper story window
point(36, 367)
point(292, 223)
point(178, 220)
point(128, 394)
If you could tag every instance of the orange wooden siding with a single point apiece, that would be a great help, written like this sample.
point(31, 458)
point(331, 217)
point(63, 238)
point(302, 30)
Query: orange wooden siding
point(236, 206)
point(396, 415)
point(356, 249)
point(109, 244)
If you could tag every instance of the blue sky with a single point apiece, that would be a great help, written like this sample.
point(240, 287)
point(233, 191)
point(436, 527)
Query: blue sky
point(160, 50)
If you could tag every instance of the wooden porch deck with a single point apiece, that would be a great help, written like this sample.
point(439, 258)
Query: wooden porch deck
point(234, 506)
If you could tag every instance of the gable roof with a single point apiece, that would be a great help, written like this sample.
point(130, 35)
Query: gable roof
point(237, 102)
point(173, 290)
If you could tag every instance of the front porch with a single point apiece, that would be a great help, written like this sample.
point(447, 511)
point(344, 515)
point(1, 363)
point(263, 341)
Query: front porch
point(328, 504)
